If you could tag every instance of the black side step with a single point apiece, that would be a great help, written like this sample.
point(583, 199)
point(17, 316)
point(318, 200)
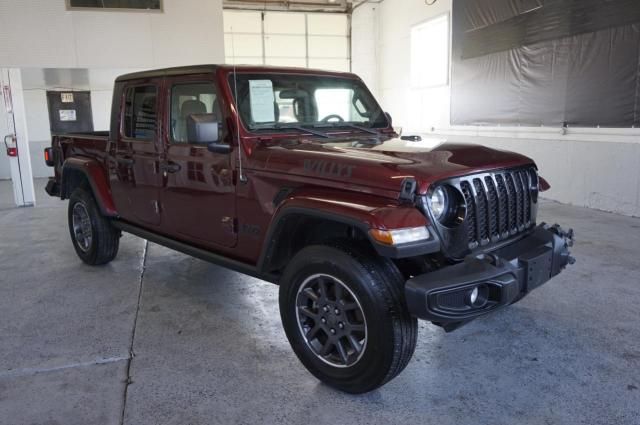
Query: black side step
point(194, 251)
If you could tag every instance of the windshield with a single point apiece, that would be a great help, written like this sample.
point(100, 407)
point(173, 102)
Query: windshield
point(275, 101)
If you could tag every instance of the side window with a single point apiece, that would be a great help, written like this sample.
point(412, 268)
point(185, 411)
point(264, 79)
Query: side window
point(141, 112)
point(189, 101)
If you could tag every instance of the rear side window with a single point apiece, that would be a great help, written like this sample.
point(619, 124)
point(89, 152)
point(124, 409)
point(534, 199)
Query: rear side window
point(141, 112)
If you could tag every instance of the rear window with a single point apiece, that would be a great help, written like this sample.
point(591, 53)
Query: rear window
point(141, 112)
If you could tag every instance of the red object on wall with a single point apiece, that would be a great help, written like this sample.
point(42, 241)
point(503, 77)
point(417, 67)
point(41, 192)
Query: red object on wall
point(12, 152)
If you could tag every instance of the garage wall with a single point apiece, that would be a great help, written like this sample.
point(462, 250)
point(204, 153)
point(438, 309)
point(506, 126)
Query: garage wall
point(5, 171)
point(37, 81)
point(85, 50)
point(43, 34)
point(365, 46)
point(596, 168)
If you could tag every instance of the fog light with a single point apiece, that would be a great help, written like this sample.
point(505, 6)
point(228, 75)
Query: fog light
point(477, 297)
point(473, 296)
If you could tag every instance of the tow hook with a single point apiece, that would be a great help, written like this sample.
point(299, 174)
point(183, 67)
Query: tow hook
point(567, 237)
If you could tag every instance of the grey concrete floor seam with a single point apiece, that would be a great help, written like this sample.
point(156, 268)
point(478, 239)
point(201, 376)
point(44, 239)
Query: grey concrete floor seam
point(128, 380)
point(34, 370)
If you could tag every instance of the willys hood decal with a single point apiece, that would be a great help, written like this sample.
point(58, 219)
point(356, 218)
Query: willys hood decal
point(383, 163)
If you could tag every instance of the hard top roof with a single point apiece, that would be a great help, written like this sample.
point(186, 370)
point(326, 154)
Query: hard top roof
point(203, 69)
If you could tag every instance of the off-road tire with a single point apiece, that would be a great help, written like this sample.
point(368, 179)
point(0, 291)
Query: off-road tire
point(105, 238)
point(378, 286)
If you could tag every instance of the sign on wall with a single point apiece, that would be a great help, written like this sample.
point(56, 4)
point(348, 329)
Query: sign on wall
point(68, 115)
point(66, 97)
point(6, 93)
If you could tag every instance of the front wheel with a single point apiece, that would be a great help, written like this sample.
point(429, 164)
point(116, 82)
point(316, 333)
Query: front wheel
point(94, 238)
point(344, 314)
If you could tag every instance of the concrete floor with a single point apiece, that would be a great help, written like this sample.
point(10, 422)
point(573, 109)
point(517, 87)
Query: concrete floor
point(209, 348)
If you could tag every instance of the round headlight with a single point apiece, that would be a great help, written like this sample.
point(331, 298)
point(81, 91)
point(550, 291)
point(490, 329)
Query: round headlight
point(439, 203)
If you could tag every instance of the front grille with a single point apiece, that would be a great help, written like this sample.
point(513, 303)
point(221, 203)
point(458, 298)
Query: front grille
point(498, 205)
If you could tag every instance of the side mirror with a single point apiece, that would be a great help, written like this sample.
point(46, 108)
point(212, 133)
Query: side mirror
point(202, 128)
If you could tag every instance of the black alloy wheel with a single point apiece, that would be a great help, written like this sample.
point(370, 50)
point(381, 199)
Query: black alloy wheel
point(331, 320)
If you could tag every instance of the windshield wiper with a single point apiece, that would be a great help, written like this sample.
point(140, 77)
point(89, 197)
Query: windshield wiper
point(302, 128)
point(348, 125)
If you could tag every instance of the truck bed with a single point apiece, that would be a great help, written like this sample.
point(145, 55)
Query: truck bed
point(88, 135)
point(88, 145)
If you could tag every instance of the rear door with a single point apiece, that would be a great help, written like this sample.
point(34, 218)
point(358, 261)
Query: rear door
point(137, 181)
point(198, 195)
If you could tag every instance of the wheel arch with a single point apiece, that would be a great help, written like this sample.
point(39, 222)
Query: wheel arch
point(89, 173)
point(306, 220)
point(285, 238)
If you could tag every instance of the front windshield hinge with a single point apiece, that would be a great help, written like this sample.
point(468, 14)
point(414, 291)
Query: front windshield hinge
point(408, 189)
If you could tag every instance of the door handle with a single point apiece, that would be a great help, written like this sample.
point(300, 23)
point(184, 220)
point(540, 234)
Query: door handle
point(126, 161)
point(170, 167)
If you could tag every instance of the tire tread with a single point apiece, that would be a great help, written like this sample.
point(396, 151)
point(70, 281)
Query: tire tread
point(391, 289)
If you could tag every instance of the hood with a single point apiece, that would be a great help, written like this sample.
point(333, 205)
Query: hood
point(381, 163)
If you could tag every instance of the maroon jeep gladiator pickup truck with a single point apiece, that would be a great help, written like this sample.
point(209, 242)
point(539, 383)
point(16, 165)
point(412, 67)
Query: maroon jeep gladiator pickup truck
point(297, 177)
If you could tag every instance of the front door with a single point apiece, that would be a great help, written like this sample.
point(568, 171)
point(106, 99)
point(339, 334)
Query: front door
point(198, 197)
point(137, 154)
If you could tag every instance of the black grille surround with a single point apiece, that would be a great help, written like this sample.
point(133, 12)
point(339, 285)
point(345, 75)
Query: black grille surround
point(501, 206)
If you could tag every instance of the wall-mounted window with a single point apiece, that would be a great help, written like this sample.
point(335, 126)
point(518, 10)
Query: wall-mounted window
point(115, 4)
point(298, 39)
point(430, 53)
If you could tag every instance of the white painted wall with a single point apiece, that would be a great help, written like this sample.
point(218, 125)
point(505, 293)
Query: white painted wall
point(86, 50)
point(14, 115)
point(596, 168)
point(43, 34)
point(365, 46)
point(5, 171)
point(37, 81)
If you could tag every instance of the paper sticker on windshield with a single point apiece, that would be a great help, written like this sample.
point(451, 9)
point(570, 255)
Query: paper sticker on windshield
point(262, 101)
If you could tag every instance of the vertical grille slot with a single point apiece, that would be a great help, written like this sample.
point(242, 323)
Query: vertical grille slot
point(493, 207)
point(526, 185)
point(503, 197)
point(471, 212)
point(482, 219)
point(511, 202)
point(517, 184)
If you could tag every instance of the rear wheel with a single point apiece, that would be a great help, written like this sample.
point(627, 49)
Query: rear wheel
point(343, 312)
point(94, 238)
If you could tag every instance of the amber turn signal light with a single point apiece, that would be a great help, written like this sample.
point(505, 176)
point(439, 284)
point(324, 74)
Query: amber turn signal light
point(400, 236)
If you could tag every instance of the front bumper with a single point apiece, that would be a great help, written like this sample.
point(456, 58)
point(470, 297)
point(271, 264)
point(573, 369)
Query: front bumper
point(501, 277)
